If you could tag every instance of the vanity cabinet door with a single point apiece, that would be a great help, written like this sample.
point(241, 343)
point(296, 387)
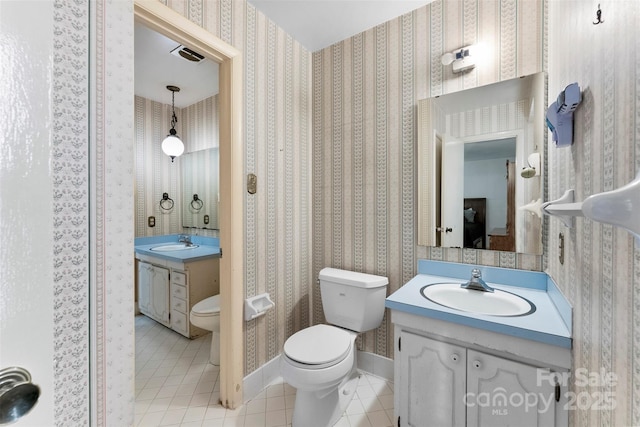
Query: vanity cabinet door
point(145, 278)
point(153, 291)
point(160, 295)
point(502, 392)
point(432, 382)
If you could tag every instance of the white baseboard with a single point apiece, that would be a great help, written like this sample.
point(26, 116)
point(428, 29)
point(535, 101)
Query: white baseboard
point(258, 380)
point(374, 364)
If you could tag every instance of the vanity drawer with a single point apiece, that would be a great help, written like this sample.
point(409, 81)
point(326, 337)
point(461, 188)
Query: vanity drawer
point(178, 304)
point(179, 278)
point(179, 322)
point(178, 291)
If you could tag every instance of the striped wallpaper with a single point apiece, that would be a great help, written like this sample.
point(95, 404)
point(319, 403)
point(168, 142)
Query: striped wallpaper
point(277, 108)
point(601, 271)
point(155, 174)
point(364, 120)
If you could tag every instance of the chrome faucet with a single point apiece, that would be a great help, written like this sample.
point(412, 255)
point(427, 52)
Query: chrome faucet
point(186, 239)
point(476, 283)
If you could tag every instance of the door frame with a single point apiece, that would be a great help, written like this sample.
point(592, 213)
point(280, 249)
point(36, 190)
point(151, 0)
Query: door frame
point(166, 21)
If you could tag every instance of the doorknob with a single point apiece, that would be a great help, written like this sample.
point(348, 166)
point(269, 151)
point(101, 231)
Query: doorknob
point(17, 394)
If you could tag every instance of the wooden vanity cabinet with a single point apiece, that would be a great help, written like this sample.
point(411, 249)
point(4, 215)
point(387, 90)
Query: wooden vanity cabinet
point(189, 285)
point(175, 287)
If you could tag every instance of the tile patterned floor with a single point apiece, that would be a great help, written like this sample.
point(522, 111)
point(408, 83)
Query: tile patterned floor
point(176, 386)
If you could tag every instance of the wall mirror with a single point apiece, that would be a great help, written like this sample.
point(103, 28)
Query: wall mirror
point(200, 189)
point(480, 163)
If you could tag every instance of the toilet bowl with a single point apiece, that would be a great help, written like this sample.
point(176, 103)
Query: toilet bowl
point(320, 361)
point(206, 315)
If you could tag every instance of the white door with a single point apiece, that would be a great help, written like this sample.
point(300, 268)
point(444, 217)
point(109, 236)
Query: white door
point(432, 382)
point(451, 221)
point(502, 392)
point(26, 200)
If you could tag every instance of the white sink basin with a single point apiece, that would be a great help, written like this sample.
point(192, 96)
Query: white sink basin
point(173, 247)
point(497, 303)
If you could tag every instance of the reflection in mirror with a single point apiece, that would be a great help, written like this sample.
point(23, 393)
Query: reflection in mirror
point(488, 182)
point(472, 147)
point(488, 199)
point(200, 190)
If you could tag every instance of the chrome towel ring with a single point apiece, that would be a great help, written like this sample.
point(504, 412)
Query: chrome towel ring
point(196, 203)
point(166, 204)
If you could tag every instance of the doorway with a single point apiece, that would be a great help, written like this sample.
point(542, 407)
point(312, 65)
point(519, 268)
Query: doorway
point(167, 22)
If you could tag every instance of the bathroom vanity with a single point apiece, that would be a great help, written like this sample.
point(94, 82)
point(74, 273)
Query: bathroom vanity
point(462, 368)
point(170, 283)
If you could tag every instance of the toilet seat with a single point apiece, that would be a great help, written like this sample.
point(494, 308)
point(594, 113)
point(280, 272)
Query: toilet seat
point(207, 307)
point(318, 346)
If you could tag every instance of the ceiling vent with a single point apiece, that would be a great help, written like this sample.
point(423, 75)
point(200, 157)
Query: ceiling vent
point(187, 54)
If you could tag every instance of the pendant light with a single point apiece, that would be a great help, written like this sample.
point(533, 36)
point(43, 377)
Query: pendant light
point(172, 146)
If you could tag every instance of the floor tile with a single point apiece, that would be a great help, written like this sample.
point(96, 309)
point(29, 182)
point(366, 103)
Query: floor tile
point(176, 386)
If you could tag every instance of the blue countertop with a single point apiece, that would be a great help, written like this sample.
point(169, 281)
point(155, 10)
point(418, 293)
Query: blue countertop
point(550, 323)
point(208, 247)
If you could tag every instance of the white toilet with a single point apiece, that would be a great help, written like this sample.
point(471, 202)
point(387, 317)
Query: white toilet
point(320, 361)
point(206, 315)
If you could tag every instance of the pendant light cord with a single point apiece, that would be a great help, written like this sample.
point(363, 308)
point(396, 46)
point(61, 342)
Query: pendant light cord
point(174, 118)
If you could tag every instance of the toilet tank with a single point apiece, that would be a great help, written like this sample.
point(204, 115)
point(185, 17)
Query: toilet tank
point(352, 300)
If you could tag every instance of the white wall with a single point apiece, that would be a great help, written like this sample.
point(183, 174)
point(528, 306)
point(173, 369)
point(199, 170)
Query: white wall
point(486, 178)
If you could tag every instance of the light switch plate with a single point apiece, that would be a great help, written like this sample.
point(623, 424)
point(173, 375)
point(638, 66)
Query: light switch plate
point(252, 183)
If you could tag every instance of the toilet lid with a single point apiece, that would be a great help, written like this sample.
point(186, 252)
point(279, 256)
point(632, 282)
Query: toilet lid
point(208, 305)
point(317, 345)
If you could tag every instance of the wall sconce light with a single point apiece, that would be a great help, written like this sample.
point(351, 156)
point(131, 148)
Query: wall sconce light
point(172, 146)
point(462, 59)
point(534, 166)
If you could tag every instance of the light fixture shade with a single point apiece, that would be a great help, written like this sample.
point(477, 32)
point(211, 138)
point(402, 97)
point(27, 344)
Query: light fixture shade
point(172, 146)
point(447, 58)
point(463, 59)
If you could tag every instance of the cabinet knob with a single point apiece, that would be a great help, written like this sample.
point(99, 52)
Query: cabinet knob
point(477, 364)
point(455, 357)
